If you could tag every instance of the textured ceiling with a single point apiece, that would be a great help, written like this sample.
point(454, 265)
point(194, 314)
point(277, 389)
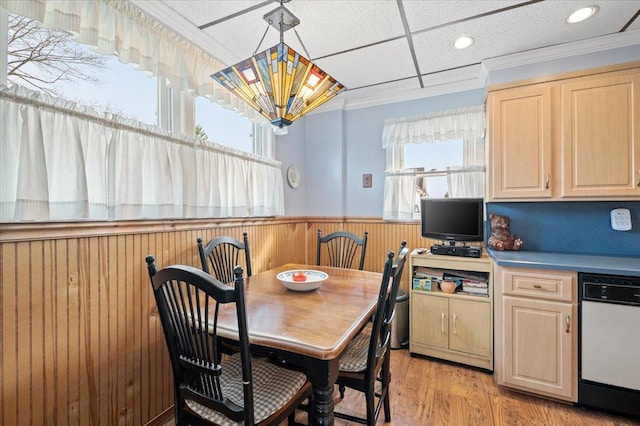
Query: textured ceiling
point(387, 50)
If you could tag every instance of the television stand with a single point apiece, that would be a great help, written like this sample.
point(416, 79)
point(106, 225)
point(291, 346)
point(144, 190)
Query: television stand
point(453, 250)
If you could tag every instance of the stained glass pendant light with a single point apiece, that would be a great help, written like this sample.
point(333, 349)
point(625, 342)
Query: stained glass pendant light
point(280, 83)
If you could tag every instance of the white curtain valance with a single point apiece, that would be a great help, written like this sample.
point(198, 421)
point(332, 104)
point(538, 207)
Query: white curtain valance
point(116, 26)
point(464, 123)
point(61, 161)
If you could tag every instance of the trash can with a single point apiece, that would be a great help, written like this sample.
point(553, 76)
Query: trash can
point(400, 323)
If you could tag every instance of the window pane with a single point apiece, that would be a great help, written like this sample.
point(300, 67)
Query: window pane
point(434, 156)
point(437, 155)
point(224, 126)
point(122, 90)
point(52, 61)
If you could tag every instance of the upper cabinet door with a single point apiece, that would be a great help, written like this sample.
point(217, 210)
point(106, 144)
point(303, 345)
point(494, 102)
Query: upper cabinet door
point(520, 142)
point(600, 133)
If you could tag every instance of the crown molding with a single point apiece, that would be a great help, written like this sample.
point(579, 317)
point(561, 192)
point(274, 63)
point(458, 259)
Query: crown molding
point(576, 48)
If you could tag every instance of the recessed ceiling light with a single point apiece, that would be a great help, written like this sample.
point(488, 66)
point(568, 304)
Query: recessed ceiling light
point(463, 42)
point(582, 14)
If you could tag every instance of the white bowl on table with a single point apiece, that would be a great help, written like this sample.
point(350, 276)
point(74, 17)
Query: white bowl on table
point(312, 279)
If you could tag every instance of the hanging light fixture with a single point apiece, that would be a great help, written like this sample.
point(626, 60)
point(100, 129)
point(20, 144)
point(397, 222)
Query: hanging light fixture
point(280, 83)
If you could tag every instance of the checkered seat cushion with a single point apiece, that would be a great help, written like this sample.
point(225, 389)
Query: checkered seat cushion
point(354, 358)
point(273, 387)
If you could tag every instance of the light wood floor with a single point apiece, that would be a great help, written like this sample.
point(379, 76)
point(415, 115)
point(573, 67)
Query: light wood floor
point(430, 392)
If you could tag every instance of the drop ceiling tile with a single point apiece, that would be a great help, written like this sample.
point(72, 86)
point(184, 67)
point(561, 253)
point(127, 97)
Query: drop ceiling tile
point(423, 14)
point(202, 12)
point(332, 26)
point(375, 64)
point(515, 31)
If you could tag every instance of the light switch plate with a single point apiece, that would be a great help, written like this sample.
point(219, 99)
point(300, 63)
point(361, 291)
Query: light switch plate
point(621, 219)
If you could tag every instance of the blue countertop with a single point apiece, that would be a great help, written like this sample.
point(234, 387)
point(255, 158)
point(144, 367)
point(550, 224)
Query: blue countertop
point(616, 265)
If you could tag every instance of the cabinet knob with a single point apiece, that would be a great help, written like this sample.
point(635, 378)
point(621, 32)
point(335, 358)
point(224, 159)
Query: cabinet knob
point(568, 322)
point(442, 323)
point(546, 181)
point(537, 286)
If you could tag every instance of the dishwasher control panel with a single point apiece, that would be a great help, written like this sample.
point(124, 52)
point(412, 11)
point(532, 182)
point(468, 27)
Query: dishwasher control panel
point(612, 289)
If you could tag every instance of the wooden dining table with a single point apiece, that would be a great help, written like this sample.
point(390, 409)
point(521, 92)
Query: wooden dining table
point(306, 330)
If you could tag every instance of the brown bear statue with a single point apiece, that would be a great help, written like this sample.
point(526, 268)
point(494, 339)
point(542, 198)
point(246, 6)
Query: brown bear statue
point(501, 236)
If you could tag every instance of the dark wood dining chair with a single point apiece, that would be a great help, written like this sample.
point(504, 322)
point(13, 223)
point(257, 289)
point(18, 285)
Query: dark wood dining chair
point(366, 360)
point(220, 255)
point(207, 391)
point(342, 248)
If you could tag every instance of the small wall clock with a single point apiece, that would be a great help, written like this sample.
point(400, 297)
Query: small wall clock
point(293, 176)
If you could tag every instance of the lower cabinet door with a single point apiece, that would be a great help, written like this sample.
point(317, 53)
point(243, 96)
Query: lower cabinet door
point(429, 321)
point(470, 326)
point(539, 341)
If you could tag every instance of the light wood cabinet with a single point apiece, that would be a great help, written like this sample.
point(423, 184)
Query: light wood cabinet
point(600, 136)
point(456, 327)
point(536, 331)
point(568, 137)
point(520, 142)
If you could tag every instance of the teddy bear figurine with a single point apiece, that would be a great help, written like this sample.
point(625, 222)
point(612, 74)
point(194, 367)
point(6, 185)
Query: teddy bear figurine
point(501, 236)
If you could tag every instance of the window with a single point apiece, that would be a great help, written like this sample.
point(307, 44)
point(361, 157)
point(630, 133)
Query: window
point(435, 155)
point(105, 84)
point(52, 61)
point(121, 90)
point(84, 165)
point(432, 157)
point(223, 126)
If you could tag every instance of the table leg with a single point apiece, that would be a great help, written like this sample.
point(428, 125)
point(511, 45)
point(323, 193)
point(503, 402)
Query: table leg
point(323, 377)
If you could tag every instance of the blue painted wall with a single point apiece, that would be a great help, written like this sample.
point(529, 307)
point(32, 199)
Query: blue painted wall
point(571, 227)
point(341, 146)
point(334, 149)
point(290, 151)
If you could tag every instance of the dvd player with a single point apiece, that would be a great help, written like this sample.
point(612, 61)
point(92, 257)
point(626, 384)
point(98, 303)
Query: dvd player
point(466, 251)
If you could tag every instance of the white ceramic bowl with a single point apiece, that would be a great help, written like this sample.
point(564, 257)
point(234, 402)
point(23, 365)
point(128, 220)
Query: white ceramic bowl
point(313, 279)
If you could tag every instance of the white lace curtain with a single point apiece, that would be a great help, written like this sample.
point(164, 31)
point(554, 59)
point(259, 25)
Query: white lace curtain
point(60, 161)
point(116, 26)
point(468, 124)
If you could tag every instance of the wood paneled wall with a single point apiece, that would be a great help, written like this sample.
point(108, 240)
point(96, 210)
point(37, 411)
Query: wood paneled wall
point(81, 340)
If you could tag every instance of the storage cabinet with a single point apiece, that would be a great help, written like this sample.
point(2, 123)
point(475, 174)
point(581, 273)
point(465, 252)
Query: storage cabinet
point(456, 327)
point(520, 142)
point(536, 331)
point(600, 136)
point(572, 136)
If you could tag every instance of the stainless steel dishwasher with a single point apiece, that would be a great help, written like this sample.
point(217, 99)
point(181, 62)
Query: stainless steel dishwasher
point(609, 342)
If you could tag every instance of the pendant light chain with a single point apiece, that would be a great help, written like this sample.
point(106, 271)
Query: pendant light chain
point(302, 44)
point(261, 40)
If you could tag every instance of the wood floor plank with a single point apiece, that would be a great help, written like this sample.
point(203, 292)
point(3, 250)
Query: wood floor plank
point(425, 391)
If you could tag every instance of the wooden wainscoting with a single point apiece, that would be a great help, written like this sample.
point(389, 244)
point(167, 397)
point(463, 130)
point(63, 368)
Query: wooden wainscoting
point(383, 236)
point(81, 341)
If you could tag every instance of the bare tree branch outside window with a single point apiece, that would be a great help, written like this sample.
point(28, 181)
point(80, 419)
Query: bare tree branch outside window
point(40, 57)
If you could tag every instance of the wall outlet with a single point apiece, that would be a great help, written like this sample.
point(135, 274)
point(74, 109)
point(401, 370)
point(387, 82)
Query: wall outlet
point(621, 219)
point(367, 180)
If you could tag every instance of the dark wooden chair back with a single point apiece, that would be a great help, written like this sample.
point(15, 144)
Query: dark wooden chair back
point(379, 347)
point(220, 255)
point(342, 248)
point(388, 303)
point(188, 300)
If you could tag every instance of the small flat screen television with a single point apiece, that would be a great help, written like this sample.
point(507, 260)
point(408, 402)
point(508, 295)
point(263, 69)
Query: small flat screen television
point(452, 219)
